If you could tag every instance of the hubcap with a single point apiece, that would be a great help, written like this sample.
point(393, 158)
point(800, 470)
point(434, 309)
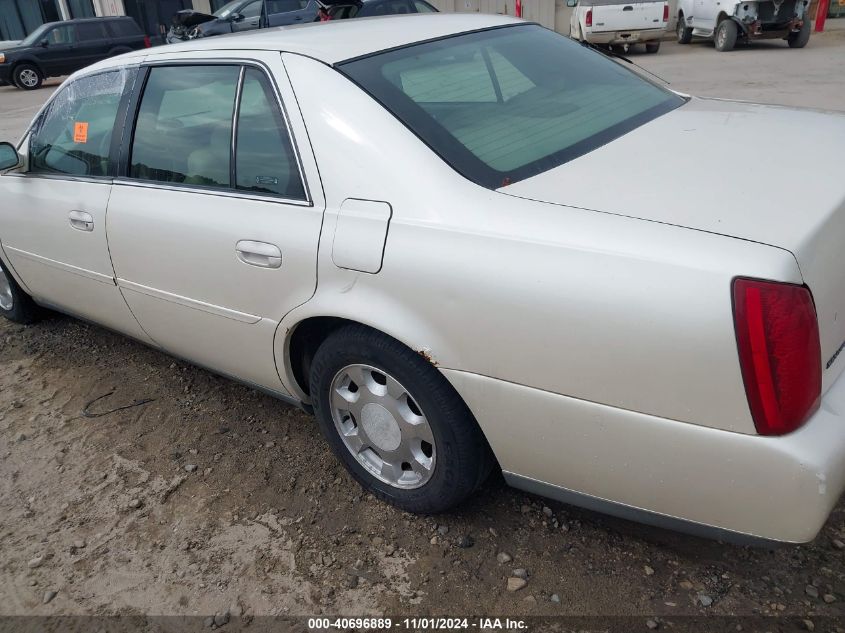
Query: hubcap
point(382, 426)
point(6, 300)
point(720, 36)
point(28, 78)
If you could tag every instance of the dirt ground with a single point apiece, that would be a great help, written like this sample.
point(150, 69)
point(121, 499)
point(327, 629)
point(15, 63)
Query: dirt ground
point(214, 498)
point(105, 512)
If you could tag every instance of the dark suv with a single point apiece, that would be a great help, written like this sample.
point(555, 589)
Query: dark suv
point(60, 48)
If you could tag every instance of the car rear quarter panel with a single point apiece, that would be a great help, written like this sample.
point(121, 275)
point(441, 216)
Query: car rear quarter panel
point(623, 312)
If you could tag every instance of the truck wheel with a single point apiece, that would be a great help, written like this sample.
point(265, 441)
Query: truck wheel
point(395, 422)
point(652, 47)
point(726, 34)
point(799, 38)
point(15, 304)
point(684, 33)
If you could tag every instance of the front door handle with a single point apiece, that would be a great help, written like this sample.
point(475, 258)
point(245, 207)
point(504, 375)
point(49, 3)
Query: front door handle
point(81, 221)
point(259, 254)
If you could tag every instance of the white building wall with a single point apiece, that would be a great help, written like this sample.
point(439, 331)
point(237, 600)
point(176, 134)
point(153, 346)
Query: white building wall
point(109, 7)
point(64, 12)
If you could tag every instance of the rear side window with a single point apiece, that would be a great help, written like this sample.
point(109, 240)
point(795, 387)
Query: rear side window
point(123, 28)
point(388, 7)
point(87, 31)
point(185, 130)
point(423, 7)
point(264, 159)
point(74, 135)
point(285, 6)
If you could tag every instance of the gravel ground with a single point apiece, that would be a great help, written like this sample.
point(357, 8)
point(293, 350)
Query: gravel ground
point(213, 498)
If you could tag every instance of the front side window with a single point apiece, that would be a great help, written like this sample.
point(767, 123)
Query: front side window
point(423, 7)
point(505, 104)
point(61, 35)
point(227, 9)
point(183, 132)
point(74, 135)
point(252, 10)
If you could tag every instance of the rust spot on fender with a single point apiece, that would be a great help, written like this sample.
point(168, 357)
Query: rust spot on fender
point(426, 354)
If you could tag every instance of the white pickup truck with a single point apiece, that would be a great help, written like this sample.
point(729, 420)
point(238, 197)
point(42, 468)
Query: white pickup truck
point(726, 21)
point(619, 22)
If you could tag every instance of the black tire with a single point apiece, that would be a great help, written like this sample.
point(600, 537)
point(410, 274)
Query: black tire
point(27, 77)
point(684, 33)
point(23, 308)
point(462, 459)
point(725, 35)
point(652, 47)
point(800, 38)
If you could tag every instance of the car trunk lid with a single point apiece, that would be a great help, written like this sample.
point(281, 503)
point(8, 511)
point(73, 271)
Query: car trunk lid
point(747, 171)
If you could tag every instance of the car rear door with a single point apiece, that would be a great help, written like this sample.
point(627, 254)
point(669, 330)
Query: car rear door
point(211, 252)
point(53, 214)
point(92, 42)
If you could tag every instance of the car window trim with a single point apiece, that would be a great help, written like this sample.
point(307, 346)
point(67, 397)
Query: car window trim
point(123, 176)
point(233, 143)
point(114, 147)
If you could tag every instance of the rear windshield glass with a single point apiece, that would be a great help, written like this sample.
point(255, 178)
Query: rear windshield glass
point(506, 104)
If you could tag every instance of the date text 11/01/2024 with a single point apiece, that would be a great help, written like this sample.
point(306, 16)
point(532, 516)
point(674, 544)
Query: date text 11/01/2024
point(417, 624)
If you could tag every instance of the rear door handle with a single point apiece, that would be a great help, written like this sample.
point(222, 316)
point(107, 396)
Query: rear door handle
point(81, 221)
point(259, 254)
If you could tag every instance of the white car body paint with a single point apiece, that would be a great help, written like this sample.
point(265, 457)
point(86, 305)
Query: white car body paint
point(585, 318)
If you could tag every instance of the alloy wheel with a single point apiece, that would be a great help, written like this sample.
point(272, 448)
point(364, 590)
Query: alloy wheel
point(382, 426)
point(28, 78)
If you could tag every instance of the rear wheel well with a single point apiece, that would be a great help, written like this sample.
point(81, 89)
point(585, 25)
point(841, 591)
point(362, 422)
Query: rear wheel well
point(306, 338)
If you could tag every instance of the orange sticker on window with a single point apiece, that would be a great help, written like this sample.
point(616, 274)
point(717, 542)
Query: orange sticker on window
point(80, 132)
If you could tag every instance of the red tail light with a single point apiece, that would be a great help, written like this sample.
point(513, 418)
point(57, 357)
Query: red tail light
point(777, 334)
point(588, 21)
point(665, 12)
point(147, 42)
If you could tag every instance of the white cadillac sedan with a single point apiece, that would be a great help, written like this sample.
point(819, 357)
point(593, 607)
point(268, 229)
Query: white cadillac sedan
point(460, 241)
